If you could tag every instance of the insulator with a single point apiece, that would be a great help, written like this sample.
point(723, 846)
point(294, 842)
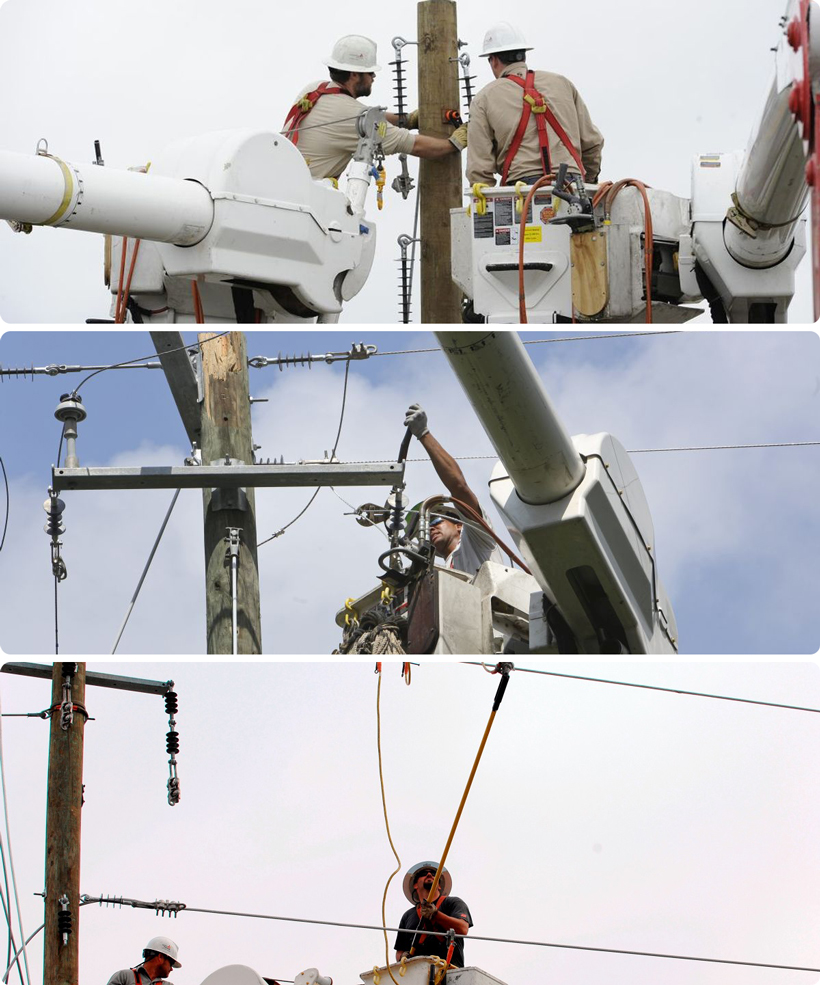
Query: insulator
point(171, 703)
point(172, 742)
point(64, 922)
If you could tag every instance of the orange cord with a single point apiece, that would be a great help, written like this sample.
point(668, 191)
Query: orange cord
point(649, 239)
point(199, 313)
point(522, 298)
point(608, 191)
point(122, 278)
point(122, 309)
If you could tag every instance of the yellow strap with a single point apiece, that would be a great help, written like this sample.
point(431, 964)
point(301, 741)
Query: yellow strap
point(403, 968)
point(380, 180)
point(67, 194)
point(536, 107)
point(305, 105)
point(350, 612)
point(519, 196)
point(387, 594)
point(376, 976)
point(481, 207)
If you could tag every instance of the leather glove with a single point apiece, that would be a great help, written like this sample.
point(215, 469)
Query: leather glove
point(413, 120)
point(428, 911)
point(459, 138)
point(416, 420)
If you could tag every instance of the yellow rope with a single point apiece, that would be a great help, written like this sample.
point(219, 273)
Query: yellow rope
point(387, 826)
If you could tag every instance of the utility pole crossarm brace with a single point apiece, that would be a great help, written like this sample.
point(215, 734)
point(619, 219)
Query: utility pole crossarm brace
point(182, 380)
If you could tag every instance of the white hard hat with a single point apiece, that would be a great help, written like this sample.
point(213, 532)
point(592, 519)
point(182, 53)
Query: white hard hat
point(503, 36)
point(164, 945)
point(354, 53)
point(445, 880)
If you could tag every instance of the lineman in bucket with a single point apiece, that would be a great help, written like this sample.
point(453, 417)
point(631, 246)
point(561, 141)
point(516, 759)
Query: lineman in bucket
point(460, 541)
point(322, 121)
point(158, 958)
point(444, 912)
point(524, 124)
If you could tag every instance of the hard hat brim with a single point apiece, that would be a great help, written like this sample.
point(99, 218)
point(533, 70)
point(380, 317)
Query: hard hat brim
point(445, 880)
point(347, 67)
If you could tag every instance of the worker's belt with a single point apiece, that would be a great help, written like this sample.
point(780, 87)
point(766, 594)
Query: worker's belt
point(534, 102)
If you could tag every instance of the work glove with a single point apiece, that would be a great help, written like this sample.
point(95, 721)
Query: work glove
point(459, 138)
point(413, 120)
point(428, 911)
point(416, 420)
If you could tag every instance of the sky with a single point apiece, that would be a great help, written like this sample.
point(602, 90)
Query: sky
point(600, 816)
point(737, 533)
point(663, 82)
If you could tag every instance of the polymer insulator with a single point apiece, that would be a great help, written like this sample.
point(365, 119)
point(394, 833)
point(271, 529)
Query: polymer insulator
point(171, 703)
point(64, 922)
point(172, 742)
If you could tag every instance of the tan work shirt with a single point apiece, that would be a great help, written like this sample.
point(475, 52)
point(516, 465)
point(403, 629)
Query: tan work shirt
point(329, 147)
point(494, 117)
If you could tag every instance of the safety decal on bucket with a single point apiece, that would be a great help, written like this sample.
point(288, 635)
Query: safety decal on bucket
point(532, 234)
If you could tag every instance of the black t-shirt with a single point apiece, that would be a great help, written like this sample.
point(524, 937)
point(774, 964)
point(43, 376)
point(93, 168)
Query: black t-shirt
point(432, 943)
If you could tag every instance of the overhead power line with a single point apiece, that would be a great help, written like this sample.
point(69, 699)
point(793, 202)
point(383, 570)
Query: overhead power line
point(563, 338)
point(178, 908)
point(653, 687)
point(631, 451)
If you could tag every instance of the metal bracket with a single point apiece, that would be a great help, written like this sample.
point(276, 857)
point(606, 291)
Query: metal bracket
point(234, 498)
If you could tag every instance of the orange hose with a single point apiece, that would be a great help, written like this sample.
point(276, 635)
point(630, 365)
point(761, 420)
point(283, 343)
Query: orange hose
point(199, 313)
point(649, 239)
point(122, 277)
point(522, 297)
point(126, 293)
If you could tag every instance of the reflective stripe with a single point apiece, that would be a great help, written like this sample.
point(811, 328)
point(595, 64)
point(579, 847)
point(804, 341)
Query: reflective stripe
point(68, 194)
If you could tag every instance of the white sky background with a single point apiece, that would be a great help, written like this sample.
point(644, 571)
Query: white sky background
point(736, 531)
point(600, 816)
point(664, 82)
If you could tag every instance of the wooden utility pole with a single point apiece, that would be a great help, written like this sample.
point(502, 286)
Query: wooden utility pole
point(226, 432)
point(65, 798)
point(439, 181)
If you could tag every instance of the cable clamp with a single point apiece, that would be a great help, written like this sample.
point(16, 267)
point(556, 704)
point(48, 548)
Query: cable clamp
point(167, 907)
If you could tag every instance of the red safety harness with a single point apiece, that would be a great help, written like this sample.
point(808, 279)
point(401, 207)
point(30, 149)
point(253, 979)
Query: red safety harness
point(440, 900)
point(301, 109)
point(534, 102)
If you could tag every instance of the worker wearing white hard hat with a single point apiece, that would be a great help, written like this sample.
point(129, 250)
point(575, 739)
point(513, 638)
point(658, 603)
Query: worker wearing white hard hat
point(322, 121)
point(527, 123)
point(423, 927)
point(159, 956)
point(457, 536)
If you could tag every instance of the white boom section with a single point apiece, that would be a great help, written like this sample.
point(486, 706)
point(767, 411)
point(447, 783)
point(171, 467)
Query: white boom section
point(46, 191)
point(581, 519)
point(510, 401)
point(234, 210)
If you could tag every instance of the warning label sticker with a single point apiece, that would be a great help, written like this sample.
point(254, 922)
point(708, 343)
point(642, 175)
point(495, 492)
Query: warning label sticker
point(483, 225)
point(502, 237)
point(532, 234)
point(503, 211)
